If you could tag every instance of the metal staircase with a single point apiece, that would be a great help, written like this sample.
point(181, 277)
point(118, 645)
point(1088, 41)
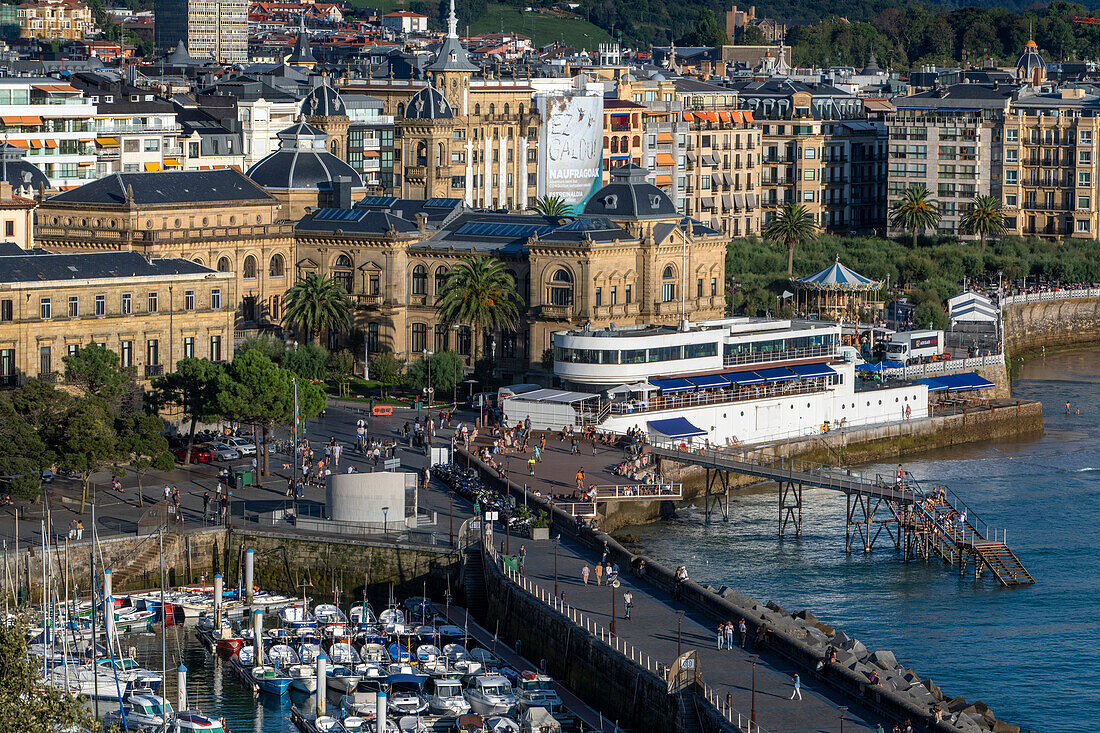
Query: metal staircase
point(1003, 563)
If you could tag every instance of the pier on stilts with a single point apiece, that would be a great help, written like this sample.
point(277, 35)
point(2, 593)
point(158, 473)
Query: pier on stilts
point(921, 521)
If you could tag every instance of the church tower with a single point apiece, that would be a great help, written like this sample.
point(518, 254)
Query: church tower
point(451, 71)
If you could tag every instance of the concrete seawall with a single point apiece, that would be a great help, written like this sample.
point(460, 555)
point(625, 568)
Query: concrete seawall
point(1029, 327)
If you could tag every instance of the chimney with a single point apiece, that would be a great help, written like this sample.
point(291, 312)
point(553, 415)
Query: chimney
point(5, 191)
point(421, 222)
point(341, 192)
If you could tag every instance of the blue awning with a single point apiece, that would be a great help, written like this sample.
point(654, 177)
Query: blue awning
point(675, 427)
point(743, 379)
point(808, 371)
point(776, 374)
point(868, 367)
point(957, 382)
point(709, 381)
point(672, 385)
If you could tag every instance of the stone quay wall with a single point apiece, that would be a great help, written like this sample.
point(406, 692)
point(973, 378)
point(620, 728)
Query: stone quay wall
point(1051, 324)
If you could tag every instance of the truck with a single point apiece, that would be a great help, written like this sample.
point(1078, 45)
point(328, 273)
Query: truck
point(912, 347)
point(514, 390)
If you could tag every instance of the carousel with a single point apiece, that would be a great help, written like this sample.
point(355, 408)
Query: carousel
point(839, 293)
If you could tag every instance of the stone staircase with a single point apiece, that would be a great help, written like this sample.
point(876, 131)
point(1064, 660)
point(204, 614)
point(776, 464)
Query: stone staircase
point(137, 564)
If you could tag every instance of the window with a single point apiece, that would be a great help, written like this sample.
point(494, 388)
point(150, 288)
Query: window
point(215, 348)
point(223, 264)
point(1010, 178)
point(714, 286)
point(599, 297)
point(249, 271)
point(126, 354)
point(699, 288)
point(1085, 137)
point(215, 299)
point(1012, 136)
point(127, 304)
point(1010, 199)
point(440, 279)
point(189, 347)
point(419, 340)
point(808, 174)
point(626, 294)
point(1082, 225)
point(374, 284)
point(100, 305)
point(668, 284)
point(1084, 157)
point(441, 337)
point(6, 310)
point(152, 145)
point(612, 296)
point(561, 287)
point(420, 282)
point(372, 337)
point(9, 229)
point(1011, 155)
point(44, 360)
point(275, 307)
point(44, 309)
point(464, 340)
point(152, 302)
point(189, 300)
point(277, 267)
point(1084, 178)
point(72, 349)
point(74, 306)
point(1082, 202)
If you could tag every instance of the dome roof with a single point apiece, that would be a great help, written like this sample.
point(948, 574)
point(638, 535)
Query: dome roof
point(18, 172)
point(1030, 61)
point(630, 196)
point(428, 104)
point(324, 101)
point(302, 162)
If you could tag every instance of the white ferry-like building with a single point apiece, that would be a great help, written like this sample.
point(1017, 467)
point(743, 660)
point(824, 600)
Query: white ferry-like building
point(735, 380)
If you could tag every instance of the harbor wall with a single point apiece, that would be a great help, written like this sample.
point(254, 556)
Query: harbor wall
point(1005, 419)
point(800, 639)
point(1053, 324)
point(285, 561)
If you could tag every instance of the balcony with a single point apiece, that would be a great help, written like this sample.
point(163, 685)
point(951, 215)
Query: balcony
point(620, 127)
point(370, 301)
point(154, 370)
point(416, 171)
point(560, 312)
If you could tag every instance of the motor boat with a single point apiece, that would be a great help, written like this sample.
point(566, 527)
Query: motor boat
point(419, 609)
point(269, 680)
point(327, 614)
point(128, 619)
point(281, 656)
point(400, 653)
point(296, 616)
point(343, 653)
point(136, 677)
point(361, 614)
point(141, 712)
point(470, 724)
point(303, 677)
point(373, 653)
point(362, 700)
point(406, 694)
point(456, 659)
point(486, 658)
point(489, 694)
point(445, 697)
point(535, 690)
point(341, 678)
point(392, 621)
point(538, 720)
point(427, 653)
point(414, 724)
point(501, 724)
point(309, 652)
point(224, 640)
point(267, 599)
point(354, 724)
point(187, 721)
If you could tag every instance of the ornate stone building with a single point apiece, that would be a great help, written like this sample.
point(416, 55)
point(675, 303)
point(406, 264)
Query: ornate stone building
point(629, 258)
point(219, 219)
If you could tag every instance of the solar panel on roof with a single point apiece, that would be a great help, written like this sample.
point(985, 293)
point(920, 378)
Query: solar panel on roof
point(337, 215)
point(378, 201)
point(494, 229)
point(440, 203)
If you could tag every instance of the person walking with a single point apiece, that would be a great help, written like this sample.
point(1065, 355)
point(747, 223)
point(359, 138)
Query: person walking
point(628, 603)
point(744, 630)
point(522, 557)
point(721, 634)
point(79, 529)
point(531, 466)
point(205, 503)
point(729, 634)
point(580, 479)
point(599, 574)
point(584, 574)
point(797, 687)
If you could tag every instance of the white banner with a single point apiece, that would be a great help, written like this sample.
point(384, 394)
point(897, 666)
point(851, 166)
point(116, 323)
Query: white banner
point(570, 147)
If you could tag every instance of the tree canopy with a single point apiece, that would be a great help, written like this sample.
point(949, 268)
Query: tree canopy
point(479, 292)
point(315, 305)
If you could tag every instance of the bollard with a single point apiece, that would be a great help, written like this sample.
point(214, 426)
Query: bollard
point(380, 712)
point(322, 683)
point(181, 683)
point(258, 637)
point(249, 558)
point(218, 604)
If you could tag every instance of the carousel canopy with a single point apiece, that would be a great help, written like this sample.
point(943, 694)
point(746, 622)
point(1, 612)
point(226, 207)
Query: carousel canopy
point(837, 277)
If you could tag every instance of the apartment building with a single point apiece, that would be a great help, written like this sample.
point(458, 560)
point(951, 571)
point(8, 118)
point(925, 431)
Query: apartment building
point(1051, 159)
point(54, 124)
point(622, 136)
point(55, 19)
point(151, 312)
point(211, 29)
point(948, 140)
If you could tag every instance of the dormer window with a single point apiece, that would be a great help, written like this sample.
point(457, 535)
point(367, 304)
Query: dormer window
point(611, 201)
point(654, 201)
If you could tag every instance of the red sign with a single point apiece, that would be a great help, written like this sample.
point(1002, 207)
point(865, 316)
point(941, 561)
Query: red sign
point(381, 410)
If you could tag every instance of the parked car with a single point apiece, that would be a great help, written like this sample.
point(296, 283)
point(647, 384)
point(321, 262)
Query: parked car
point(223, 452)
point(241, 445)
point(198, 454)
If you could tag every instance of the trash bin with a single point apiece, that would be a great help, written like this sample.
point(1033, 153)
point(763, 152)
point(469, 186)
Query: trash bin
point(244, 478)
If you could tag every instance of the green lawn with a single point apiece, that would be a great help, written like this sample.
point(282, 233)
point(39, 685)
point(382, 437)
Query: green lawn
point(541, 29)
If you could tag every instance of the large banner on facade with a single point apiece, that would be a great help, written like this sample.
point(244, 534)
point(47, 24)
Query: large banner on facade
point(570, 147)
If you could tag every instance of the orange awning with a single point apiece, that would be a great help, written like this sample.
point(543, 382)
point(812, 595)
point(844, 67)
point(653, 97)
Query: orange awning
point(724, 116)
point(688, 116)
point(171, 161)
point(736, 117)
point(55, 88)
point(20, 143)
point(370, 153)
point(665, 159)
point(664, 180)
point(664, 137)
point(86, 162)
point(51, 143)
point(36, 144)
point(707, 116)
point(152, 166)
point(32, 120)
point(106, 142)
point(748, 116)
point(9, 120)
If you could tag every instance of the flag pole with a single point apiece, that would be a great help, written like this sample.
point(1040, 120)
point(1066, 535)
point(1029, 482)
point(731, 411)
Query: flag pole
point(294, 450)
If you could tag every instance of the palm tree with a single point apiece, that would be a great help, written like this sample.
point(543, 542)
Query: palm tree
point(316, 304)
point(984, 218)
point(791, 226)
point(915, 211)
point(481, 293)
point(552, 206)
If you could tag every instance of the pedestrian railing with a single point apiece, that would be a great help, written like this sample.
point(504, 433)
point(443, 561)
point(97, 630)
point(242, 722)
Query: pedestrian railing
point(1049, 295)
point(638, 491)
point(603, 634)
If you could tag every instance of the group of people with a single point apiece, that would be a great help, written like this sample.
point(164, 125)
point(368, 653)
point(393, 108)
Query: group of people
point(76, 530)
point(728, 634)
point(607, 573)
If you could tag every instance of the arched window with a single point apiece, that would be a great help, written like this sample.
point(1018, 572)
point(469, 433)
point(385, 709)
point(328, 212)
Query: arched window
point(477, 109)
point(197, 260)
point(332, 147)
point(614, 145)
point(223, 264)
point(440, 155)
point(637, 141)
point(505, 109)
point(341, 272)
point(561, 287)
point(419, 340)
point(492, 109)
point(624, 144)
point(421, 153)
point(277, 268)
point(521, 109)
point(250, 267)
point(400, 109)
point(668, 284)
point(420, 280)
point(440, 280)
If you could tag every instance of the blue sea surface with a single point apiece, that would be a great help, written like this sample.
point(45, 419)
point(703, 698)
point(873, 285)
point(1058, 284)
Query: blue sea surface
point(1029, 653)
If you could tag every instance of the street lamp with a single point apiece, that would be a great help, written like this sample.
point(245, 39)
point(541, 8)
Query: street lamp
point(679, 629)
point(385, 520)
point(451, 529)
point(842, 709)
point(754, 658)
point(612, 589)
point(557, 540)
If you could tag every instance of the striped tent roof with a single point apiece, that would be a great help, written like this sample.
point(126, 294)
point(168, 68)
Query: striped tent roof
point(837, 277)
